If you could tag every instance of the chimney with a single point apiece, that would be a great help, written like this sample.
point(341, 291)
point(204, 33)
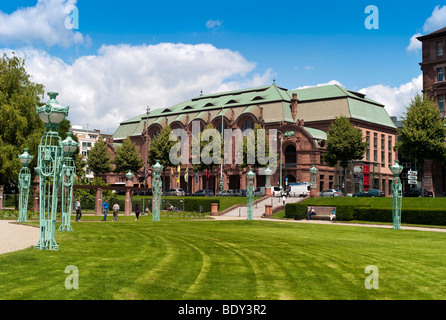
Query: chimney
point(294, 102)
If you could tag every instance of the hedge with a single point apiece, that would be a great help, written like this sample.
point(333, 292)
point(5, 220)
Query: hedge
point(297, 211)
point(437, 217)
point(412, 216)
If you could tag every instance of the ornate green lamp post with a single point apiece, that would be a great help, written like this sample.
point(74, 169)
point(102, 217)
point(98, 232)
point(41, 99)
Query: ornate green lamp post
point(68, 175)
point(24, 184)
point(396, 169)
point(313, 181)
point(156, 187)
point(49, 167)
point(250, 192)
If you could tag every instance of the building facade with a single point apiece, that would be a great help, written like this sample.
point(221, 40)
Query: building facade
point(307, 112)
point(433, 66)
point(87, 139)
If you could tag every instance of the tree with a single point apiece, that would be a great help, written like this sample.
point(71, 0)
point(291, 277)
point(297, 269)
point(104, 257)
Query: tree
point(99, 159)
point(127, 157)
point(261, 150)
point(209, 143)
point(344, 143)
point(20, 126)
point(423, 134)
point(159, 149)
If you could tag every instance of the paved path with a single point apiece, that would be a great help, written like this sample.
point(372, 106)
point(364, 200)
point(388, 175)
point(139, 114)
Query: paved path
point(15, 236)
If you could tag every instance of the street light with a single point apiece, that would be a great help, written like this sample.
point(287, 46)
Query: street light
point(49, 167)
point(396, 169)
point(156, 187)
point(313, 180)
point(250, 193)
point(147, 146)
point(287, 134)
point(69, 146)
point(24, 184)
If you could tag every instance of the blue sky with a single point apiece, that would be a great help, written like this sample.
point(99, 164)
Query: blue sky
point(253, 42)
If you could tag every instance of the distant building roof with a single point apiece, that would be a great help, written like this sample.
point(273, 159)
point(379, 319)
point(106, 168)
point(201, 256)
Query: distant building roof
point(314, 104)
point(436, 33)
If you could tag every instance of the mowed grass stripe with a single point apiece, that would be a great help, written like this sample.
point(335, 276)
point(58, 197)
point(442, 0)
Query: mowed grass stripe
point(229, 260)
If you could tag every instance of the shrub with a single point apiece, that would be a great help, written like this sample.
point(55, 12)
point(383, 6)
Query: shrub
point(296, 211)
point(344, 212)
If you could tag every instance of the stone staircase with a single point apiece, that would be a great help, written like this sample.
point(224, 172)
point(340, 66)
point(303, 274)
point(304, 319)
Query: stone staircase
point(259, 207)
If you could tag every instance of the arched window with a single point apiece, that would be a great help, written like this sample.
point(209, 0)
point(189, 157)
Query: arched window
point(248, 124)
point(290, 156)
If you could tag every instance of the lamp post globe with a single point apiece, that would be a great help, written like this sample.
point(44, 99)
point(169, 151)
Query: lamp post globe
point(69, 146)
point(25, 158)
point(52, 113)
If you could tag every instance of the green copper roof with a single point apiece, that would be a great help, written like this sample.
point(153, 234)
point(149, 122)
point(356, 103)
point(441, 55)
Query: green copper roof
point(315, 104)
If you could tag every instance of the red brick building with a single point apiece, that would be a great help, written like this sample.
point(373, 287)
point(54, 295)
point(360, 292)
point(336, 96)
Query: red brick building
point(433, 66)
point(308, 112)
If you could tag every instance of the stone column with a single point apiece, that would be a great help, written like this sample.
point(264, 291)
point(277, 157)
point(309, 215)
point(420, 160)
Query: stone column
point(98, 202)
point(214, 209)
point(128, 197)
point(268, 210)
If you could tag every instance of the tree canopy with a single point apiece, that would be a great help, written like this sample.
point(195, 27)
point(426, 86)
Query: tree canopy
point(20, 126)
point(344, 143)
point(99, 159)
point(127, 157)
point(423, 134)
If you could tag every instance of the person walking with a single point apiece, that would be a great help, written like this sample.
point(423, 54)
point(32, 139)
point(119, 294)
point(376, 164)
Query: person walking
point(77, 207)
point(115, 211)
point(105, 208)
point(284, 198)
point(137, 210)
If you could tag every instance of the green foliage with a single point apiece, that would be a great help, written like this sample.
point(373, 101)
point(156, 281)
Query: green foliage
point(344, 143)
point(20, 126)
point(159, 148)
point(207, 148)
point(297, 211)
point(127, 157)
point(260, 149)
point(99, 158)
point(423, 133)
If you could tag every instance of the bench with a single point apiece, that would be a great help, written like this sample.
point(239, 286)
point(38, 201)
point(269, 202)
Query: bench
point(322, 213)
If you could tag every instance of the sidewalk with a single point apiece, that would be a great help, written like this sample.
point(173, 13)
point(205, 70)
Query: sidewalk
point(15, 236)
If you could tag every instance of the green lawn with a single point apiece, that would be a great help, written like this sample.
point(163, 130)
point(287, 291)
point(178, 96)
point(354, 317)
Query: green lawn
point(183, 259)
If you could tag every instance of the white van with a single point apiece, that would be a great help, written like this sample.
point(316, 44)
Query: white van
point(299, 189)
point(260, 191)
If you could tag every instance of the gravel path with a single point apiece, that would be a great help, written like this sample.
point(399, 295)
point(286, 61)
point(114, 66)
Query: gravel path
point(15, 236)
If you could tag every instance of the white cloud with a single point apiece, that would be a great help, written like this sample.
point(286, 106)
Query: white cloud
point(212, 24)
point(120, 81)
point(329, 83)
point(42, 24)
point(434, 22)
point(395, 99)
point(414, 44)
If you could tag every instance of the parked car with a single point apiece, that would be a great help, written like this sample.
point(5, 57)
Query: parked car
point(330, 193)
point(238, 193)
point(414, 192)
point(202, 193)
point(175, 192)
point(225, 193)
point(370, 193)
